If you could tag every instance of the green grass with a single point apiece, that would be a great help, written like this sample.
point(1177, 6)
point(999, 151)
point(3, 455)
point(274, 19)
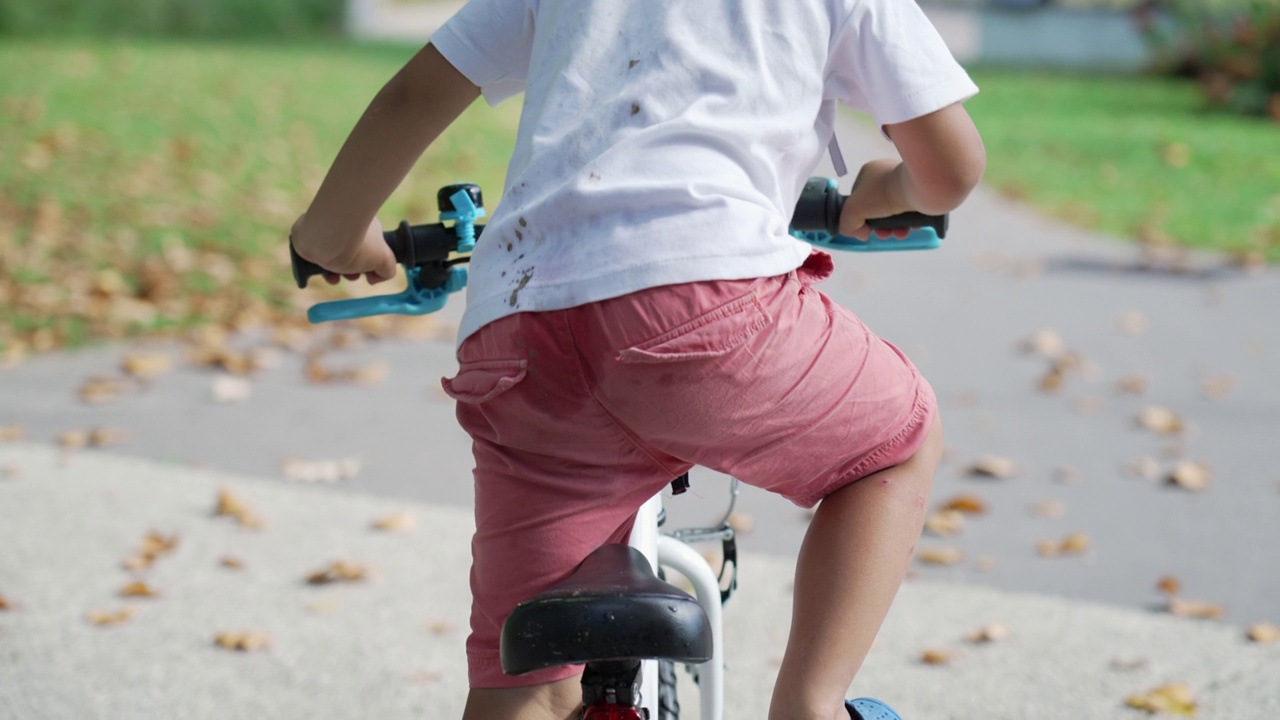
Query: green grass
point(1132, 156)
point(172, 172)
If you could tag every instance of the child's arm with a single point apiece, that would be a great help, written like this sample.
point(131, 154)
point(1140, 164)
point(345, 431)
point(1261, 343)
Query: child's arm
point(943, 159)
point(340, 232)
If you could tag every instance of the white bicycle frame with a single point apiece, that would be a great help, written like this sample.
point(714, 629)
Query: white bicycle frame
point(676, 554)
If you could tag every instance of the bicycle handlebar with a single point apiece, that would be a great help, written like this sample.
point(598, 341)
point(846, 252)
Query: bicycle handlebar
point(425, 250)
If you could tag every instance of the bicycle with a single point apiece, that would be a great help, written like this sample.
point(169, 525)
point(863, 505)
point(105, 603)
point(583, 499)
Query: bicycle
point(614, 614)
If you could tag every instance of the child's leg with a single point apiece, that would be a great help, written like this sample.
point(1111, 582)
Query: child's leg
point(853, 559)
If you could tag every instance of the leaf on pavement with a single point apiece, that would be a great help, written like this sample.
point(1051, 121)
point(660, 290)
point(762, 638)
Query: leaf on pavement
point(6, 604)
point(231, 505)
point(140, 589)
point(1198, 609)
point(327, 471)
point(147, 365)
point(1047, 343)
point(1169, 585)
point(940, 556)
point(1263, 633)
point(155, 545)
point(1132, 385)
point(401, 521)
point(1174, 698)
point(100, 390)
point(969, 504)
point(12, 433)
point(994, 466)
point(994, 632)
point(231, 562)
point(338, 571)
point(934, 656)
point(1191, 475)
point(1218, 386)
point(945, 522)
point(1048, 508)
point(1161, 420)
point(440, 627)
point(242, 641)
point(228, 389)
point(104, 618)
point(1076, 543)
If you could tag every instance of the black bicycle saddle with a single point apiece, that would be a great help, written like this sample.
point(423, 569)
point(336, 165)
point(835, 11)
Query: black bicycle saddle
point(611, 608)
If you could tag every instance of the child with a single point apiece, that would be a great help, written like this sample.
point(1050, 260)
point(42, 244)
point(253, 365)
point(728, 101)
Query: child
point(636, 305)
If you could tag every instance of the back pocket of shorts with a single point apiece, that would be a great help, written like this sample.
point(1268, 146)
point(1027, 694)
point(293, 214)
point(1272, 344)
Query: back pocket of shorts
point(709, 335)
point(483, 380)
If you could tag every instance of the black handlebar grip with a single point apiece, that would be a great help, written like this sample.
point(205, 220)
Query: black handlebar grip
point(302, 269)
point(820, 205)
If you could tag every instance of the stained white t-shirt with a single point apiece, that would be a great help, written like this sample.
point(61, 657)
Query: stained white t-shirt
point(667, 141)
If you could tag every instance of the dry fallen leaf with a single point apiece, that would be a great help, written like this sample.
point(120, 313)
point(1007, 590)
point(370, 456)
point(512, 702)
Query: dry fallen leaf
point(154, 546)
point(1132, 385)
point(1169, 585)
point(969, 504)
point(12, 433)
point(936, 657)
point(1218, 386)
point(1161, 420)
point(6, 604)
point(1175, 698)
point(227, 389)
point(994, 466)
point(147, 365)
point(324, 607)
point(230, 505)
point(73, 440)
point(242, 641)
point(338, 571)
point(103, 437)
point(102, 618)
point(1074, 544)
point(402, 521)
point(100, 390)
point(327, 471)
point(1190, 475)
point(1195, 609)
point(440, 627)
point(945, 522)
point(138, 588)
point(940, 556)
point(1048, 508)
point(1046, 343)
point(231, 562)
point(994, 632)
point(1264, 633)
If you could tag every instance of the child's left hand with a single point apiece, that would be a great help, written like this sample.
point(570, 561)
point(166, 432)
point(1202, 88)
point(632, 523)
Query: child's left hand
point(370, 256)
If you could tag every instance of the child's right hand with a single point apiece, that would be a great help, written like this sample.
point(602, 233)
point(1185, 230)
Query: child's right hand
point(370, 256)
point(874, 195)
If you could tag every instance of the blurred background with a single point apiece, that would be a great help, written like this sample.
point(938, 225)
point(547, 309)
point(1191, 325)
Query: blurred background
point(1105, 315)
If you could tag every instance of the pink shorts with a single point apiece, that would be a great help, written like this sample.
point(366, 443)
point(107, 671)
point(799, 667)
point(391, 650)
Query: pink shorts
point(578, 416)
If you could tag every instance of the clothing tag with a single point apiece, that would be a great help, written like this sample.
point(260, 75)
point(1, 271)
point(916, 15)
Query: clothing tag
point(837, 159)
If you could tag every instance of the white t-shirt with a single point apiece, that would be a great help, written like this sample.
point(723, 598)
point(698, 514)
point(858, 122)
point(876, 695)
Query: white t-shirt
point(667, 141)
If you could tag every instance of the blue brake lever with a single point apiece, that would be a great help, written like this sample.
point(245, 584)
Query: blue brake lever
point(919, 239)
point(417, 298)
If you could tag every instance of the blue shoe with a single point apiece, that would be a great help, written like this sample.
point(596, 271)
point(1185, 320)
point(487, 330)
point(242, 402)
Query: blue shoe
point(870, 709)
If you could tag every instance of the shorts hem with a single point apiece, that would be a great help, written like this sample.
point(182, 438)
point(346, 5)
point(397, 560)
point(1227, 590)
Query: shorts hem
point(923, 412)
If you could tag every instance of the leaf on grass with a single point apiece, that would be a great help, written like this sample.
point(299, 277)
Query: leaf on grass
point(945, 522)
point(338, 571)
point(231, 505)
point(12, 433)
point(994, 466)
point(1176, 154)
point(242, 641)
point(1161, 420)
point(1074, 544)
point(147, 365)
point(227, 389)
point(154, 546)
point(138, 588)
point(1174, 698)
point(1192, 475)
point(1169, 585)
point(327, 471)
point(104, 618)
point(1198, 609)
point(994, 632)
point(932, 656)
point(940, 556)
point(402, 521)
point(969, 504)
point(1263, 633)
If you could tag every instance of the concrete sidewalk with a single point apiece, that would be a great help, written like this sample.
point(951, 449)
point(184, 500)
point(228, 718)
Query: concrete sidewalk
point(392, 646)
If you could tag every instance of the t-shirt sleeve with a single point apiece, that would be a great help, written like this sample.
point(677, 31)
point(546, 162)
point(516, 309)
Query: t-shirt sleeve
point(489, 42)
point(889, 61)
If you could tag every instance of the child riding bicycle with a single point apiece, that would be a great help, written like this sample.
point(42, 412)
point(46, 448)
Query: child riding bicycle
point(637, 306)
